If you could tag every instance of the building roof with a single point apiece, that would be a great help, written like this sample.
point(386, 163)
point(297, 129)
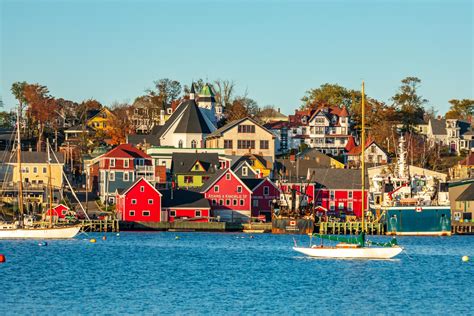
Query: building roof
point(351, 144)
point(250, 157)
point(315, 154)
point(438, 126)
point(141, 179)
point(252, 183)
point(468, 161)
point(330, 111)
point(296, 170)
point(183, 199)
point(142, 139)
point(78, 128)
point(345, 179)
point(126, 151)
point(207, 90)
point(467, 194)
point(219, 132)
point(31, 157)
point(356, 151)
point(183, 162)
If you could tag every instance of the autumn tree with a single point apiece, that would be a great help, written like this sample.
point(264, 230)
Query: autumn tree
point(224, 92)
point(168, 90)
point(119, 125)
point(461, 109)
point(42, 109)
point(237, 110)
point(410, 103)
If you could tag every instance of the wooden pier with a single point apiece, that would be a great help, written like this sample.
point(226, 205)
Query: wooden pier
point(462, 228)
point(100, 225)
point(349, 228)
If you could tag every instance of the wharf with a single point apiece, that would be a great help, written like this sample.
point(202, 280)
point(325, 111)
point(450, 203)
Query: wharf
point(351, 228)
point(462, 228)
point(181, 226)
point(100, 225)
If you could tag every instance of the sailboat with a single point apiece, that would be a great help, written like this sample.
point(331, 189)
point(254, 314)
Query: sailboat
point(356, 247)
point(26, 227)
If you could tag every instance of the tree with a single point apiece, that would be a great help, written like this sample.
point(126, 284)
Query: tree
point(224, 92)
point(198, 85)
point(119, 125)
point(42, 109)
point(7, 120)
point(409, 103)
point(169, 90)
point(328, 94)
point(461, 109)
point(237, 110)
point(18, 91)
point(85, 106)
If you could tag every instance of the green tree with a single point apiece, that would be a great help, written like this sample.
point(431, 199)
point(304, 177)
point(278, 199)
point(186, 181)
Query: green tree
point(18, 91)
point(7, 120)
point(410, 103)
point(169, 90)
point(328, 94)
point(461, 109)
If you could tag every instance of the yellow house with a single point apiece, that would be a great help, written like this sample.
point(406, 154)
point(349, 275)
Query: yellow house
point(258, 163)
point(464, 169)
point(243, 137)
point(99, 119)
point(34, 166)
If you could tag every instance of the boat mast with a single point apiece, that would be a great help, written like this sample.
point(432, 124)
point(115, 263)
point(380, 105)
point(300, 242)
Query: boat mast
point(20, 178)
point(363, 157)
point(50, 187)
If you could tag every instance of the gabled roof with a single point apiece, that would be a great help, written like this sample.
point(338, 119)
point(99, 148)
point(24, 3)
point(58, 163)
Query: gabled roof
point(126, 151)
point(183, 199)
point(467, 194)
point(345, 179)
point(31, 157)
point(219, 132)
point(351, 144)
point(252, 183)
point(207, 90)
point(218, 175)
point(468, 161)
point(357, 150)
point(438, 126)
point(141, 179)
point(250, 157)
point(183, 162)
point(236, 167)
point(315, 154)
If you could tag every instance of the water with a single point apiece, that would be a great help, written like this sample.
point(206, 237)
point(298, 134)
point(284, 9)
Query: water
point(202, 273)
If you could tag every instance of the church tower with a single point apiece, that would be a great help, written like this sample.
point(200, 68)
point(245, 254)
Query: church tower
point(207, 102)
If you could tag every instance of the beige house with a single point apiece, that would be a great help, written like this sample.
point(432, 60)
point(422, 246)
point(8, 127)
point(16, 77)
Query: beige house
point(461, 195)
point(243, 136)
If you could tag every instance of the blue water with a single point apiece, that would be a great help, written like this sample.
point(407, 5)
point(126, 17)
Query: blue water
point(202, 273)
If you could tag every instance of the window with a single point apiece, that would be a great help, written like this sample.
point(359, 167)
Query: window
point(134, 201)
point(112, 162)
point(172, 213)
point(234, 202)
point(349, 206)
point(340, 205)
point(193, 144)
point(44, 170)
point(245, 144)
point(112, 176)
point(216, 188)
point(332, 206)
point(246, 128)
point(214, 202)
point(221, 202)
point(239, 189)
point(111, 200)
point(227, 176)
point(131, 213)
point(266, 190)
point(264, 144)
point(245, 171)
point(188, 179)
point(227, 202)
point(35, 169)
point(196, 167)
point(150, 201)
point(145, 213)
point(141, 162)
point(350, 194)
point(255, 203)
point(180, 144)
point(331, 195)
point(241, 202)
point(142, 188)
point(126, 163)
point(197, 213)
point(227, 143)
point(126, 176)
point(27, 169)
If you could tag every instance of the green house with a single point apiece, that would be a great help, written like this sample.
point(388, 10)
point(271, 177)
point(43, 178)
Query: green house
point(193, 169)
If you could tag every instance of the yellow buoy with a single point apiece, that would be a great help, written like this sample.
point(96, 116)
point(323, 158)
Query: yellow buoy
point(93, 240)
point(465, 258)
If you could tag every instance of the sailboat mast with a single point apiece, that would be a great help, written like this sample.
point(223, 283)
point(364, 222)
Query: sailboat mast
point(362, 157)
point(50, 187)
point(20, 178)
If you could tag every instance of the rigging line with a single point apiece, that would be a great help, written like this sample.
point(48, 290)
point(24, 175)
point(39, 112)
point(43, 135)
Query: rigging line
point(70, 187)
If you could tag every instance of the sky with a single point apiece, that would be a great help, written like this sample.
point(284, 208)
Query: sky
point(274, 50)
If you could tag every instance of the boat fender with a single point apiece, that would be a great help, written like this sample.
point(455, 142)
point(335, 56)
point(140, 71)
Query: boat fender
point(2, 258)
point(92, 240)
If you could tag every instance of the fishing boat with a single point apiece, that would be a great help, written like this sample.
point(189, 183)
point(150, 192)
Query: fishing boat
point(356, 247)
point(25, 227)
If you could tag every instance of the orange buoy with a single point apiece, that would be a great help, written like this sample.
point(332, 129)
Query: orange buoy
point(2, 258)
point(104, 238)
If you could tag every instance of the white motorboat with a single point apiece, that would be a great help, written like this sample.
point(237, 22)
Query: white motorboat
point(339, 252)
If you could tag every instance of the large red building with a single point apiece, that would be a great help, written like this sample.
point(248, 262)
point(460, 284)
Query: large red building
point(185, 205)
point(264, 193)
point(230, 198)
point(141, 202)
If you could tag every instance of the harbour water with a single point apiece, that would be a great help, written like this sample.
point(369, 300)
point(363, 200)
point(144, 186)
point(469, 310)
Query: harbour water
point(225, 273)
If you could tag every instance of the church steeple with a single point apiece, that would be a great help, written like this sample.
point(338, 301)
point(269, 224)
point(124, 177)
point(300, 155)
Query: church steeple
point(192, 93)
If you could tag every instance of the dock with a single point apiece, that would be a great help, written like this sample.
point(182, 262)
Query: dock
point(349, 228)
point(100, 225)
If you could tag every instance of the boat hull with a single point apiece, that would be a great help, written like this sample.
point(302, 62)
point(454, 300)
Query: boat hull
point(350, 253)
point(40, 233)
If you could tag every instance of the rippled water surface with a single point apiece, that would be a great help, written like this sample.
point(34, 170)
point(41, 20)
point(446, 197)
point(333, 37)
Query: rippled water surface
point(204, 273)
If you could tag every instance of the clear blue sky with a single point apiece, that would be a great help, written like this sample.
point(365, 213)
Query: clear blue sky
point(114, 50)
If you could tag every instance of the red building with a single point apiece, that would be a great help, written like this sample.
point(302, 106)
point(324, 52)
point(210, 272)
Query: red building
point(185, 205)
point(339, 191)
point(141, 202)
point(229, 196)
point(264, 192)
point(59, 211)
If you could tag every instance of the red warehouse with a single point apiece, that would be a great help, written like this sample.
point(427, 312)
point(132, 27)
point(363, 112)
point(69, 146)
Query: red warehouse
point(141, 202)
point(185, 205)
point(229, 196)
point(264, 192)
point(339, 191)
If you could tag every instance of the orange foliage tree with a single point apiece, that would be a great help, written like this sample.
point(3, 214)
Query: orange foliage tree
point(119, 124)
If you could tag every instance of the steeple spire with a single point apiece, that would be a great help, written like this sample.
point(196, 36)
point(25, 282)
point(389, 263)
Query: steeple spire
point(192, 93)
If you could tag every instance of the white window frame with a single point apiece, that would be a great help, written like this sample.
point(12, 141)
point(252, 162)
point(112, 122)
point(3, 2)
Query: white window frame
point(266, 190)
point(227, 176)
point(35, 169)
point(146, 215)
point(242, 202)
point(126, 177)
point(255, 203)
point(245, 171)
point(239, 189)
point(112, 162)
point(142, 188)
point(111, 175)
point(350, 194)
point(126, 163)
